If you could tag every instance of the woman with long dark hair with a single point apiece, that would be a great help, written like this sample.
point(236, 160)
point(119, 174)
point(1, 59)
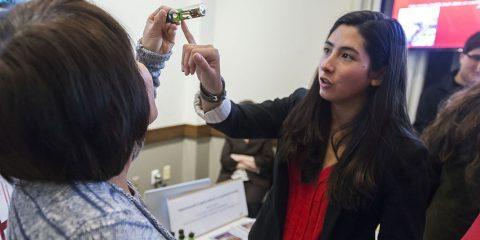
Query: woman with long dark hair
point(348, 159)
point(454, 143)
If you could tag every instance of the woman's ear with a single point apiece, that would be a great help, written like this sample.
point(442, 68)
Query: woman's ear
point(376, 82)
point(377, 77)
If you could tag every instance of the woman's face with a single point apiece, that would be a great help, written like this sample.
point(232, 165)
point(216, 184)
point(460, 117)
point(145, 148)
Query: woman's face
point(147, 78)
point(343, 72)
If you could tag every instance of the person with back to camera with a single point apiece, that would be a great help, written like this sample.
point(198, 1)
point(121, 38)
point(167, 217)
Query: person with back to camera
point(75, 107)
point(467, 74)
point(347, 158)
point(250, 160)
point(454, 143)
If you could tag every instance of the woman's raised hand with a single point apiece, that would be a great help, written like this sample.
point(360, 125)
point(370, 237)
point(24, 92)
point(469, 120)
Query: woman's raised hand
point(203, 60)
point(158, 35)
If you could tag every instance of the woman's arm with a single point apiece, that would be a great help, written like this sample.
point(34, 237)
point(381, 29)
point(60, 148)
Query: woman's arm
point(263, 120)
point(155, 46)
point(154, 62)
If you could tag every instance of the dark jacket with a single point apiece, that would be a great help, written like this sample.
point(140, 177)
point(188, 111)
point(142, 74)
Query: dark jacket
point(452, 210)
point(431, 100)
point(399, 204)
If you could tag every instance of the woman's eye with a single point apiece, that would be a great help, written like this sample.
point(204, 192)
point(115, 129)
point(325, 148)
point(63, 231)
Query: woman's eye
point(326, 51)
point(347, 56)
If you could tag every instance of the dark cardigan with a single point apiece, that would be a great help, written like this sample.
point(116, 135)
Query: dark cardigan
point(399, 205)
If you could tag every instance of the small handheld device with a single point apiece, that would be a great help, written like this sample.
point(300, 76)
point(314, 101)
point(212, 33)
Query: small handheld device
point(194, 11)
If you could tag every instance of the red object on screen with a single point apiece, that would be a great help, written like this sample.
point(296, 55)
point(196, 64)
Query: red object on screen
point(437, 23)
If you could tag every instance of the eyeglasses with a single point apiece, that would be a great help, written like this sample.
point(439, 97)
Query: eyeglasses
point(475, 57)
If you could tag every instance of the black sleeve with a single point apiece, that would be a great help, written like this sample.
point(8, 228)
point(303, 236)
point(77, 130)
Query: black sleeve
point(406, 193)
point(263, 120)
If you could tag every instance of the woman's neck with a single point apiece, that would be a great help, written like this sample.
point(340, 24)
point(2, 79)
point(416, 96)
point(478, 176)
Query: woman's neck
point(344, 112)
point(121, 179)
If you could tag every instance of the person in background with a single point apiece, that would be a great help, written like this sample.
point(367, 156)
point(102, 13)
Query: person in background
point(467, 74)
point(454, 143)
point(250, 160)
point(347, 156)
point(75, 107)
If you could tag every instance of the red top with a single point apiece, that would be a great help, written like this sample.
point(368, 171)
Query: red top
point(307, 205)
point(474, 232)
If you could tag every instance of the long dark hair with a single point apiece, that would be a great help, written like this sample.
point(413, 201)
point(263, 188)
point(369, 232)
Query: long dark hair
point(455, 134)
point(369, 138)
point(72, 101)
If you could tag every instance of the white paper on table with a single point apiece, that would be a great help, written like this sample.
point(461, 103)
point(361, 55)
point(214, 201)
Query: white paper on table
point(208, 209)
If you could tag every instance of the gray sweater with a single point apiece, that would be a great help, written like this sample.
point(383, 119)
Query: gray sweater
point(84, 210)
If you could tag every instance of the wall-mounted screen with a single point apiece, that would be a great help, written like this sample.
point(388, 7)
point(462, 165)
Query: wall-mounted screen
point(437, 24)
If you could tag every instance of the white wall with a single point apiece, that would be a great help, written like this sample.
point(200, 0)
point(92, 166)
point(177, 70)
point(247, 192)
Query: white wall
point(268, 48)
point(214, 166)
point(172, 100)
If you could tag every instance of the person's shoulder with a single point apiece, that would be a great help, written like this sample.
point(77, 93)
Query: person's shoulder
point(407, 166)
point(119, 218)
point(69, 206)
point(286, 103)
point(120, 224)
point(296, 96)
point(299, 93)
point(409, 150)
